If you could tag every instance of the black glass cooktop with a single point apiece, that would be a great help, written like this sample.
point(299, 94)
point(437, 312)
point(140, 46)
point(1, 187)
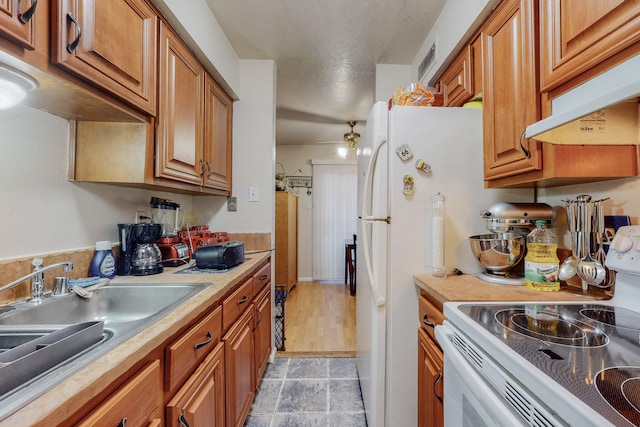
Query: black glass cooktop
point(592, 350)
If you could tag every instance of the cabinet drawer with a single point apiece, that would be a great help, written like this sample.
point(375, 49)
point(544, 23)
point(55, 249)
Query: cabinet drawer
point(430, 316)
point(184, 354)
point(137, 401)
point(236, 303)
point(261, 278)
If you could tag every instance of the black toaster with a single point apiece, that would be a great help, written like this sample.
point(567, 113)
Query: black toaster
point(220, 256)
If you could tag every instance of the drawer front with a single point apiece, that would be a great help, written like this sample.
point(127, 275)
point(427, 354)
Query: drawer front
point(261, 278)
point(184, 354)
point(236, 303)
point(430, 316)
point(136, 401)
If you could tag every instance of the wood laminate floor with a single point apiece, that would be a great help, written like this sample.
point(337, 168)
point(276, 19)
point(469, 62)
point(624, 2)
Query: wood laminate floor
point(320, 320)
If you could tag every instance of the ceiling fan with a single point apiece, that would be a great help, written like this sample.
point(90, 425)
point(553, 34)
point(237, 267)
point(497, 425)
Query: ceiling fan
point(350, 138)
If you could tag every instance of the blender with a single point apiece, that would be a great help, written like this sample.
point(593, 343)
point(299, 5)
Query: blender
point(167, 213)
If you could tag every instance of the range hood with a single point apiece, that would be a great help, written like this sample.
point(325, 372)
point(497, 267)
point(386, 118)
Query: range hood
point(604, 110)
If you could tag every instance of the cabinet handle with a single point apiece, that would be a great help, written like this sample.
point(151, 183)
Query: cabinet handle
point(209, 171)
point(255, 322)
point(243, 300)
point(524, 150)
point(435, 384)
point(202, 167)
point(425, 320)
point(264, 277)
point(202, 344)
point(26, 17)
point(74, 44)
point(183, 421)
point(122, 422)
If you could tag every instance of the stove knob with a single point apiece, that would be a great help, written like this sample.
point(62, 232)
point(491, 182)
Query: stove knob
point(621, 243)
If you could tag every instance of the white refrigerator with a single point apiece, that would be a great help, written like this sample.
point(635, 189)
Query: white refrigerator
point(394, 241)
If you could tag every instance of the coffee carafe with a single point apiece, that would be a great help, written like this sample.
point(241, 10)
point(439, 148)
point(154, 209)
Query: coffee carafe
point(140, 256)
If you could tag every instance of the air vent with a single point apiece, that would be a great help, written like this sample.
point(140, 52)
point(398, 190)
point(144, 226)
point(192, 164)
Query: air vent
point(472, 355)
point(427, 62)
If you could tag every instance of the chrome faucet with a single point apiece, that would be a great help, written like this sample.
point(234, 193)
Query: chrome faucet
point(37, 278)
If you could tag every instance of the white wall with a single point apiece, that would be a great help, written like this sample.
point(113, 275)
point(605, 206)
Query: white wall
point(389, 78)
point(42, 212)
point(253, 155)
point(294, 157)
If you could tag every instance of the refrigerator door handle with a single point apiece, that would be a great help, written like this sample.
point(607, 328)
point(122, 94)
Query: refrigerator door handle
point(380, 300)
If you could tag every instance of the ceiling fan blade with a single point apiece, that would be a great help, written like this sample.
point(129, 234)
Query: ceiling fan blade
point(330, 142)
point(284, 113)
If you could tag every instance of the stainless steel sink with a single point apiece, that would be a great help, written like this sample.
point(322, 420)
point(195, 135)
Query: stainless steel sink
point(123, 309)
point(113, 304)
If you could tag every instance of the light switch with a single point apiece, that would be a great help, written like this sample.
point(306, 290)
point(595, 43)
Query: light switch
point(253, 194)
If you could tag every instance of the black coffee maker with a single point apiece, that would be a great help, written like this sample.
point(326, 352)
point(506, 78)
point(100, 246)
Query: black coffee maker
point(139, 254)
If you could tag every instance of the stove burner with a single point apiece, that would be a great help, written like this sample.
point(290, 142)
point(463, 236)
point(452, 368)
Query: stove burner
point(618, 317)
point(620, 387)
point(550, 327)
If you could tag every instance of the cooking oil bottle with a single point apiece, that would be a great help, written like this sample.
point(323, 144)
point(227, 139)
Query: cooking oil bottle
point(541, 263)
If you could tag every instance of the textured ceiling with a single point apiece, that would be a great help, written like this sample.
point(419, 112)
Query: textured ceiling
point(325, 52)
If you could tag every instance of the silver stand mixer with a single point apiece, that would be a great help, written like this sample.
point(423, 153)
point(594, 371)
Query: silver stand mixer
point(502, 251)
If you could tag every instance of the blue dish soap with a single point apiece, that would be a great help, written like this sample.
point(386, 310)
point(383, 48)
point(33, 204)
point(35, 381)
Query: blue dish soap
point(103, 263)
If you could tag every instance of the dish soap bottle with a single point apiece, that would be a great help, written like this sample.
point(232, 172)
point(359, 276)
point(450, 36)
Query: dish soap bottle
point(103, 263)
point(541, 264)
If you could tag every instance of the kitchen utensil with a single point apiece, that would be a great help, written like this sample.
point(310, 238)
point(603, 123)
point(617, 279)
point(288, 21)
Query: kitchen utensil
point(589, 270)
point(600, 254)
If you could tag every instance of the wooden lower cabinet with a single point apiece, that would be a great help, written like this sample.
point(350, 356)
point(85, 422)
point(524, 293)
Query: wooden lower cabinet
point(430, 379)
point(430, 367)
point(200, 402)
point(239, 368)
point(136, 402)
point(262, 333)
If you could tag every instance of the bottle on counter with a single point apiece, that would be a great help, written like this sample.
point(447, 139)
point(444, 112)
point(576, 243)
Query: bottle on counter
point(541, 264)
point(103, 263)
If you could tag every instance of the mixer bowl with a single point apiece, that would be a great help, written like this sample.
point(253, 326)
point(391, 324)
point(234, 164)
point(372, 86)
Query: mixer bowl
point(498, 253)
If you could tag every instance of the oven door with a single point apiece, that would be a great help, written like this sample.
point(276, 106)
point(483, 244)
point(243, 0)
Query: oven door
point(468, 399)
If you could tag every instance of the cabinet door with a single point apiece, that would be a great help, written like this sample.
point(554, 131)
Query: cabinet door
point(217, 137)
point(430, 382)
point(239, 359)
point(137, 401)
point(579, 35)
point(457, 81)
point(511, 100)
point(16, 21)
point(200, 402)
point(112, 44)
point(262, 334)
point(179, 133)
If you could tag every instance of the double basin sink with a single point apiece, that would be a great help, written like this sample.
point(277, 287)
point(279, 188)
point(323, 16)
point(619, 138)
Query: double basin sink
point(41, 345)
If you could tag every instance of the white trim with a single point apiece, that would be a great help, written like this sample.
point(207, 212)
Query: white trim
point(333, 162)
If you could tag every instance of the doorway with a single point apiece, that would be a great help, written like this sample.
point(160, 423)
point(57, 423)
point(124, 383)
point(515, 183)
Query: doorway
point(334, 217)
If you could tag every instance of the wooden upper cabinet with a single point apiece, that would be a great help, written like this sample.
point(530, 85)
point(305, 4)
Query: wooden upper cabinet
point(511, 100)
point(112, 44)
point(179, 131)
point(17, 21)
point(579, 36)
point(457, 81)
point(218, 137)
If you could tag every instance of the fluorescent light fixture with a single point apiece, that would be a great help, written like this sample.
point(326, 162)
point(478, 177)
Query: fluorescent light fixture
point(14, 85)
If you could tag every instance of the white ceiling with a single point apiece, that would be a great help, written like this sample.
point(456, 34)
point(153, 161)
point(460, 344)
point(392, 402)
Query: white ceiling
point(325, 52)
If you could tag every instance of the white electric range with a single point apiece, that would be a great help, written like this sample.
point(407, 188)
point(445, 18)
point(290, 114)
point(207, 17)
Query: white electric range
point(548, 364)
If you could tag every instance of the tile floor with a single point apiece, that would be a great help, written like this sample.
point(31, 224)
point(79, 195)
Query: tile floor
point(309, 392)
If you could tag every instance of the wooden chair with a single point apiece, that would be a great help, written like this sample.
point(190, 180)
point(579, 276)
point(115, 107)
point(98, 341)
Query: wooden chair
point(350, 265)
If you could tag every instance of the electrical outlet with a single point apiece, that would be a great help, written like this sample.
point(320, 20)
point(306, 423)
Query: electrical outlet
point(253, 194)
point(232, 204)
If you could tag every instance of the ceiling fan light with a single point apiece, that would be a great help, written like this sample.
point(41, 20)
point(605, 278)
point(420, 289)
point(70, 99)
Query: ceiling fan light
point(14, 86)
